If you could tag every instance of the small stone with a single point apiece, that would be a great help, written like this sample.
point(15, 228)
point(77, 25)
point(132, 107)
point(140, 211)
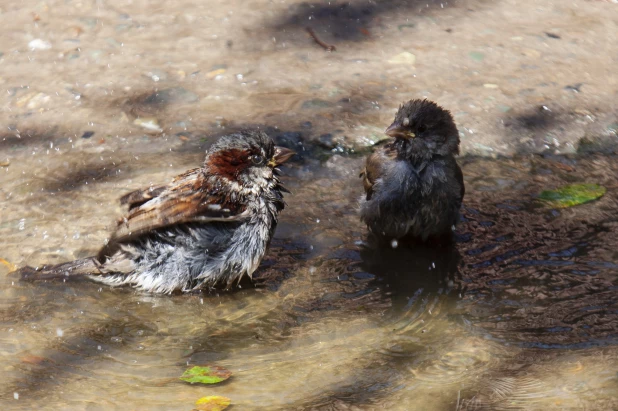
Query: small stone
point(38, 44)
point(157, 75)
point(113, 42)
point(490, 85)
point(289, 139)
point(575, 87)
point(214, 73)
point(316, 103)
point(306, 124)
point(403, 58)
point(327, 141)
point(88, 134)
point(96, 54)
point(5, 163)
point(75, 31)
point(477, 56)
point(149, 123)
point(123, 27)
point(33, 100)
point(582, 112)
point(531, 53)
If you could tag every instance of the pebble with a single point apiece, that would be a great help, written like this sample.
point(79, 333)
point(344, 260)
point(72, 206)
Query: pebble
point(403, 58)
point(149, 123)
point(157, 75)
point(88, 134)
point(316, 103)
point(33, 100)
point(490, 85)
point(531, 53)
point(289, 139)
point(5, 163)
point(214, 73)
point(327, 141)
point(38, 44)
point(477, 56)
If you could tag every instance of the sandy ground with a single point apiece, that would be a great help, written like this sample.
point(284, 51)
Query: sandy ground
point(518, 75)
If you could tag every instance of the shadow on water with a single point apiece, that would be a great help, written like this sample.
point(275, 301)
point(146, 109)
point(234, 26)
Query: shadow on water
point(406, 272)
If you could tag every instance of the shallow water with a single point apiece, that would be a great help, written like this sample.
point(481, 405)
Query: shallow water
point(522, 313)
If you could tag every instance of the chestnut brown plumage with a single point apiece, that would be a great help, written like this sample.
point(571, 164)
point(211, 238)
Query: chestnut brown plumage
point(209, 226)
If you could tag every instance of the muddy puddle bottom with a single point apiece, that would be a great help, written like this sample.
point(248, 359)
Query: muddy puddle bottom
point(520, 314)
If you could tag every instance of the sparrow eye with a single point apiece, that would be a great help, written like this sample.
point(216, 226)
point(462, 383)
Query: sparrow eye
point(421, 129)
point(257, 159)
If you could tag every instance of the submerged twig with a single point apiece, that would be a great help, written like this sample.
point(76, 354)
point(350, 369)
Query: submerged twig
point(327, 47)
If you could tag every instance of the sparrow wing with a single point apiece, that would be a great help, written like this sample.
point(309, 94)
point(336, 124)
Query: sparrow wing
point(184, 200)
point(138, 197)
point(374, 168)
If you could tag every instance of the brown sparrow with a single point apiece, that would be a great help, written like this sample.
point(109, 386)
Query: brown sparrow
point(209, 226)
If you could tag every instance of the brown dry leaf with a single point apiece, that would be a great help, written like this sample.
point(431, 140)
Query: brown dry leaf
point(33, 359)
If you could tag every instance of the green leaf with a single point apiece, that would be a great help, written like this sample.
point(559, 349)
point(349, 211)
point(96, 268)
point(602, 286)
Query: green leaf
point(206, 375)
point(572, 195)
point(212, 403)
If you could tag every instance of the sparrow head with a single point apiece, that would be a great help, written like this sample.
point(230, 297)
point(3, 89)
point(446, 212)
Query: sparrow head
point(248, 157)
point(424, 129)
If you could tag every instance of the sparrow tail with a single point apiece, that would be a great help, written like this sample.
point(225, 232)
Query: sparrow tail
point(71, 269)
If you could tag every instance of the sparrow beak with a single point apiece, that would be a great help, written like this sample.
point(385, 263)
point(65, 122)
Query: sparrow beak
point(396, 130)
point(282, 155)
